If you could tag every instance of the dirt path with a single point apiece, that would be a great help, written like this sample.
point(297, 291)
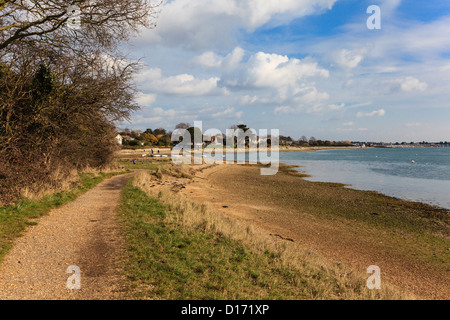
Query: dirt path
point(83, 233)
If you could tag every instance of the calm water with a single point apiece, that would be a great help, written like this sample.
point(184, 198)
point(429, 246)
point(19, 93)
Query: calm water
point(389, 171)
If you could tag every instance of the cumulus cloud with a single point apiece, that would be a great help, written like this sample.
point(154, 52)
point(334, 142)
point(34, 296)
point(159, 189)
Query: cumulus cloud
point(208, 60)
point(228, 112)
point(348, 59)
point(201, 24)
point(266, 79)
point(406, 84)
point(265, 70)
point(153, 81)
point(270, 79)
point(375, 113)
point(412, 84)
point(212, 60)
point(283, 110)
point(145, 100)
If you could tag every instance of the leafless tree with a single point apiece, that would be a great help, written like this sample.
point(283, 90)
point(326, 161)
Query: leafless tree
point(105, 21)
point(62, 88)
point(182, 125)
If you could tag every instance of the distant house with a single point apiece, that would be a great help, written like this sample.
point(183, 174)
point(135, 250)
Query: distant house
point(213, 140)
point(119, 139)
point(127, 138)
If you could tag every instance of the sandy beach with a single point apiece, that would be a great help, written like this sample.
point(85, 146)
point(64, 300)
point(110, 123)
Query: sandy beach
point(351, 227)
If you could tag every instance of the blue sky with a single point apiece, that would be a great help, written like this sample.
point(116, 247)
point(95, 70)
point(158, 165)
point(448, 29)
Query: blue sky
point(305, 67)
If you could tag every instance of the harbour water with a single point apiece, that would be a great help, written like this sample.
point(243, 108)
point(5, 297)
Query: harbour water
point(416, 174)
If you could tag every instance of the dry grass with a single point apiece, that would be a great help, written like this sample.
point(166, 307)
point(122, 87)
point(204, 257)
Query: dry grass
point(179, 171)
point(63, 181)
point(337, 282)
point(39, 190)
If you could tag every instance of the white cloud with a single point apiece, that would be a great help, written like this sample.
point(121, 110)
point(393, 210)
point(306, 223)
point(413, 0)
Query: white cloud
point(375, 113)
point(254, 14)
point(208, 60)
point(265, 70)
point(145, 100)
point(228, 112)
point(265, 79)
point(336, 106)
point(389, 6)
point(245, 100)
point(283, 110)
point(423, 41)
point(271, 79)
point(183, 84)
point(406, 84)
point(348, 59)
point(212, 60)
point(411, 84)
point(204, 24)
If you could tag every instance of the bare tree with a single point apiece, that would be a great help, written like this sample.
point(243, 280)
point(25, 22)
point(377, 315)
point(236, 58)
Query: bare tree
point(182, 125)
point(107, 21)
point(61, 89)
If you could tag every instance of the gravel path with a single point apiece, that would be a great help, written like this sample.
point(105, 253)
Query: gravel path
point(83, 233)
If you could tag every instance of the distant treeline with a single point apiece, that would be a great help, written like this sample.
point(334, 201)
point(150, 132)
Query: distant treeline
point(158, 137)
point(162, 137)
point(313, 142)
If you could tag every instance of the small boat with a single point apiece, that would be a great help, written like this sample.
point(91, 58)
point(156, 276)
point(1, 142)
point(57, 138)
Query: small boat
point(158, 156)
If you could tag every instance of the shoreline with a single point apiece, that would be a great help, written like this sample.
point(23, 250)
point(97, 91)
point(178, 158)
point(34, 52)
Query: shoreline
point(353, 227)
point(167, 151)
